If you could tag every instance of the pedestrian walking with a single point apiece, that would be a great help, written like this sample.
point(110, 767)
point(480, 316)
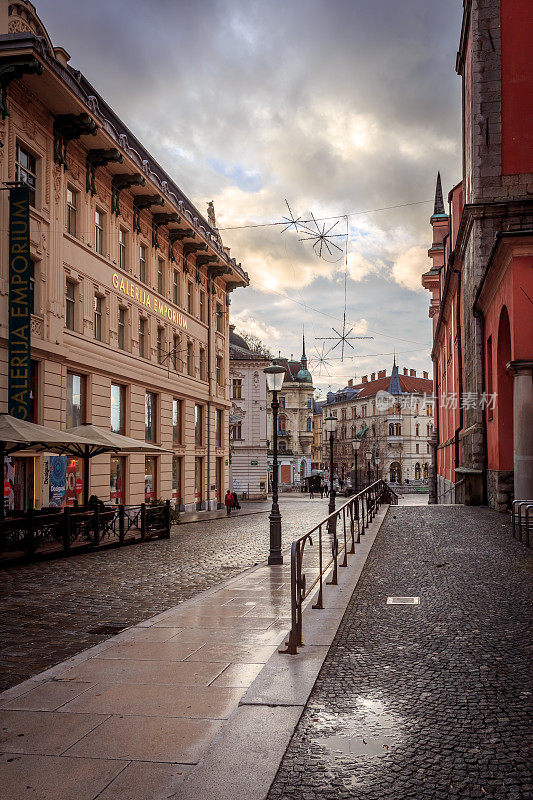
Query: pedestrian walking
point(311, 490)
point(236, 505)
point(321, 490)
point(228, 502)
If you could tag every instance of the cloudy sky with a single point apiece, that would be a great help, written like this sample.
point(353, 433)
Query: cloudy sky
point(338, 106)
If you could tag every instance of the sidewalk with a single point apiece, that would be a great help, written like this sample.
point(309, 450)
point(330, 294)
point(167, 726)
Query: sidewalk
point(195, 702)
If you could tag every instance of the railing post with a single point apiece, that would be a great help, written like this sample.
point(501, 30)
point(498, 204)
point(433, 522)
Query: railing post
point(143, 522)
point(334, 550)
point(121, 523)
point(96, 525)
point(167, 518)
point(352, 527)
point(66, 530)
point(319, 601)
point(345, 559)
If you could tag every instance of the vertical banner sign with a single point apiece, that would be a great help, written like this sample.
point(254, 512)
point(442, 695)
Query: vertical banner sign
point(19, 303)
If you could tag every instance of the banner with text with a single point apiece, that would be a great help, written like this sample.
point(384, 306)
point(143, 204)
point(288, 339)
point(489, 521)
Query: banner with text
point(19, 303)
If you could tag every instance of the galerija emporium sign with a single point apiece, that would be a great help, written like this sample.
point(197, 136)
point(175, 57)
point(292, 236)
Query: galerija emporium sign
point(19, 392)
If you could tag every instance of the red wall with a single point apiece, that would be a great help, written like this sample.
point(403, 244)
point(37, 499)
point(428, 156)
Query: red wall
point(517, 86)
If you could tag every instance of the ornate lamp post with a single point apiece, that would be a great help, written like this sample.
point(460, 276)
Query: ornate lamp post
point(274, 377)
point(369, 459)
point(378, 461)
point(356, 445)
point(330, 428)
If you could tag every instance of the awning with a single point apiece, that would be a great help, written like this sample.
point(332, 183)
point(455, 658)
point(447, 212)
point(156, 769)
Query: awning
point(18, 434)
point(104, 441)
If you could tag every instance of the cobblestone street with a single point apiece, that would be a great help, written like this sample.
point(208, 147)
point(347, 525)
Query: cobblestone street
point(50, 608)
point(430, 700)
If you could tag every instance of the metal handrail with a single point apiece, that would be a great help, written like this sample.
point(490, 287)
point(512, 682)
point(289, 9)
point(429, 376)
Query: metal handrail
point(519, 506)
point(359, 510)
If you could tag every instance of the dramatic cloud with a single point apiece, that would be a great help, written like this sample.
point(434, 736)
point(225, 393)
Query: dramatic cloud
point(338, 107)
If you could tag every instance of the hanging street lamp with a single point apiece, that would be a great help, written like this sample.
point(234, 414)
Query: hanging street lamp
point(274, 378)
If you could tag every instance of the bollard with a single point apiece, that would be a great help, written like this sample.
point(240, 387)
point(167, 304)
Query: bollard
point(167, 519)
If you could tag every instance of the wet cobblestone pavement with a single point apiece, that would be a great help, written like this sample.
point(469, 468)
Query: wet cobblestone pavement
point(430, 700)
point(49, 609)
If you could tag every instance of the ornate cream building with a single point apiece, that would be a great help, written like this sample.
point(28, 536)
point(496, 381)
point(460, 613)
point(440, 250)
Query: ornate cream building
point(248, 421)
point(131, 285)
point(295, 422)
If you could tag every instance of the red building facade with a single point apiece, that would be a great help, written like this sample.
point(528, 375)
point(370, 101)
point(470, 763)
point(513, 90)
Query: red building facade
point(481, 279)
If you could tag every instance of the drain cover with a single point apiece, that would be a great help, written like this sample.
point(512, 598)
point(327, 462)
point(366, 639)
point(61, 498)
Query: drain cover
point(109, 629)
point(403, 601)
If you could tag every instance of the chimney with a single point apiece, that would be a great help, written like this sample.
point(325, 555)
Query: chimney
point(350, 382)
point(426, 376)
point(405, 371)
point(382, 373)
point(364, 379)
point(373, 376)
point(412, 373)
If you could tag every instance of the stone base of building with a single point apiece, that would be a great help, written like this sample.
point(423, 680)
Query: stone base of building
point(500, 489)
point(445, 491)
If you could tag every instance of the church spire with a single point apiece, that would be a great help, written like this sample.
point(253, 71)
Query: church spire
point(438, 208)
point(304, 357)
point(394, 383)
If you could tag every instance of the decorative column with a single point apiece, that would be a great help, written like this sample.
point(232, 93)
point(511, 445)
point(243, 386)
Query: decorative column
point(522, 428)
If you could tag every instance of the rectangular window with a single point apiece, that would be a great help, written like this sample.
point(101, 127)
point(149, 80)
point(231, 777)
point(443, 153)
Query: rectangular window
point(150, 479)
point(160, 345)
point(98, 318)
point(75, 399)
point(150, 401)
point(198, 425)
point(236, 389)
point(220, 319)
point(121, 328)
point(202, 306)
point(189, 297)
point(117, 474)
point(99, 231)
point(176, 421)
point(190, 359)
point(219, 370)
point(143, 255)
point(176, 480)
point(282, 401)
point(26, 171)
point(160, 276)
point(118, 395)
point(70, 305)
point(363, 411)
point(176, 287)
point(218, 427)
point(202, 364)
point(142, 337)
point(72, 211)
point(122, 248)
point(236, 431)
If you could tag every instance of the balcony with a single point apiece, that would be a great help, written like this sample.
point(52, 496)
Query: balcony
point(394, 418)
point(395, 441)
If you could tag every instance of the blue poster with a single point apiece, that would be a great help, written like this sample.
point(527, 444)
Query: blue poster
point(57, 487)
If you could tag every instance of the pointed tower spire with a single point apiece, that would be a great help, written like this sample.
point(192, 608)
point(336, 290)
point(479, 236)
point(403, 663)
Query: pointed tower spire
point(438, 208)
point(394, 383)
point(304, 357)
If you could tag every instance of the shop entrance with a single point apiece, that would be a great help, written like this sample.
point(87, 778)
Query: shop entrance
point(198, 478)
point(18, 483)
point(117, 480)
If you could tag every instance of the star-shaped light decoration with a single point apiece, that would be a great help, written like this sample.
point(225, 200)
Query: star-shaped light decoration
point(342, 339)
point(319, 362)
point(322, 239)
point(291, 221)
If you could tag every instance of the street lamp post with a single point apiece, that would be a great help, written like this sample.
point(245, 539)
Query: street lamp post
point(356, 445)
point(330, 427)
point(369, 459)
point(274, 377)
point(378, 461)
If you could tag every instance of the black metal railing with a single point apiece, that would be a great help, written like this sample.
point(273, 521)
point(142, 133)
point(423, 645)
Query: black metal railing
point(522, 515)
point(51, 532)
point(336, 536)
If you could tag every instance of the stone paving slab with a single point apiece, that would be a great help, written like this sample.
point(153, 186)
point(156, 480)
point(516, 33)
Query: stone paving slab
point(431, 700)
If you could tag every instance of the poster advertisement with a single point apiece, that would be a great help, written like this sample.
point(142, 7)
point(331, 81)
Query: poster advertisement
point(57, 486)
point(9, 484)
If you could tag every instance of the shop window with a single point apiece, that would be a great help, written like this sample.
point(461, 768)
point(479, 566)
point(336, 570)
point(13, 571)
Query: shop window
point(198, 482)
point(98, 310)
point(76, 399)
point(143, 259)
point(122, 327)
point(26, 171)
point(176, 481)
point(198, 425)
point(218, 427)
point(99, 231)
point(72, 210)
point(117, 480)
point(118, 397)
point(150, 479)
point(70, 305)
point(236, 389)
point(150, 409)
point(177, 413)
point(122, 248)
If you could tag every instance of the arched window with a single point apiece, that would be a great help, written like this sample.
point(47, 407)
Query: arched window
point(398, 429)
point(282, 424)
point(395, 472)
point(282, 447)
point(417, 430)
point(309, 424)
point(391, 429)
point(417, 471)
point(426, 470)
